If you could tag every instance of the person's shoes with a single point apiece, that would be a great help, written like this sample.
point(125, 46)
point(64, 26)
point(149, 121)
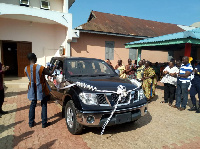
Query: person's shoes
point(174, 106)
point(198, 110)
point(46, 125)
point(170, 104)
point(3, 112)
point(32, 125)
point(194, 108)
point(181, 109)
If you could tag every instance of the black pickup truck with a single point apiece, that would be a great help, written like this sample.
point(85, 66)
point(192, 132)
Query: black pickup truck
point(86, 88)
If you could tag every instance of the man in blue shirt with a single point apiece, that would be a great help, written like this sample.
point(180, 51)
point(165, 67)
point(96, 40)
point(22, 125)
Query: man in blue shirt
point(195, 88)
point(184, 78)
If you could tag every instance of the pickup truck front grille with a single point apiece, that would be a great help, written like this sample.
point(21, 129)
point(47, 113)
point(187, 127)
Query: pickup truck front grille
point(101, 99)
point(112, 99)
point(135, 97)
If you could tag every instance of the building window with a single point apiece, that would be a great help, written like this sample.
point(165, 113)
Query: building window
point(24, 3)
point(170, 55)
point(133, 54)
point(45, 4)
point(109, 50)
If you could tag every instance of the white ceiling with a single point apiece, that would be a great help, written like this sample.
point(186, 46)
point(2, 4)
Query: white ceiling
point(28, 18)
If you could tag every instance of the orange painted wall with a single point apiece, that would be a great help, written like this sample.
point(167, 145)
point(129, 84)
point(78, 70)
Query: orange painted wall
point(93, 46)
point(154, 56)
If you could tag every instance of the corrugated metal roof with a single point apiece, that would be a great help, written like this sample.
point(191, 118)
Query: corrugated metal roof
point(195, 33)
point(190, 34)
point(70, 2)
point(105, 22)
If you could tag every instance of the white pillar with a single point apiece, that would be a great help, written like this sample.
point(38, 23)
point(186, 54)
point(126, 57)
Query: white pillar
point(68, 49)
point(65, 6)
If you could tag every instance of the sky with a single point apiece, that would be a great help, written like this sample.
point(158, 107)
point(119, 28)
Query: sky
point(181, 12)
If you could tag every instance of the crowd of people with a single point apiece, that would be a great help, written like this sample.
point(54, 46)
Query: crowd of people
point(178, 78)
point(144, 73)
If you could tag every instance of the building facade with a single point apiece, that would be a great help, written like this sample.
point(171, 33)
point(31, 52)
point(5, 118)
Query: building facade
point(104, 36)
point(38, 26)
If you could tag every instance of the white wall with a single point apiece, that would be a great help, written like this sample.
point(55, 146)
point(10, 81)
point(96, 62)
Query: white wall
point(14, 2)
point(55, 5)
point(46, 38)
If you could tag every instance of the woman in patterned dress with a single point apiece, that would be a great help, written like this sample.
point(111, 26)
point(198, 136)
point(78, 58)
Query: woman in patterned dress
point(130, 70)
point(149, 81)
point(140, 71)
point(121, 69)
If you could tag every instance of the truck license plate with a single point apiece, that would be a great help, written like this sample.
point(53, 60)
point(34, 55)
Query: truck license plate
point(123, 118)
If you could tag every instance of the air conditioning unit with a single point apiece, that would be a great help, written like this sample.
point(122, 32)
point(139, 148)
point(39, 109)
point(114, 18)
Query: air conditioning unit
point(24, 3)
point(45, 5)
point(61, 50)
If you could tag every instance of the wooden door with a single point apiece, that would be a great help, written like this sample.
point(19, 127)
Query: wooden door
point(23, 48)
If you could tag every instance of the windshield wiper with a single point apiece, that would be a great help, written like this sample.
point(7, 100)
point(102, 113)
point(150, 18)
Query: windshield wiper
point(83, 76)
point(112, 76)
point(102, 75)
point(76, 75)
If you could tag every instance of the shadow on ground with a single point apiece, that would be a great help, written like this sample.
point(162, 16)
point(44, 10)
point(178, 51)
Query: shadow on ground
point(58, 117)
point(6, 141)
point(48, 144)
point(155, 98)
point(24, 136)
point(7, 127)
point(160, 87)
point(11, 94)
point(19, 109)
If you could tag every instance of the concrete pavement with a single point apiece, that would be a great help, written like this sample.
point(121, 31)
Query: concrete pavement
point(163, 126)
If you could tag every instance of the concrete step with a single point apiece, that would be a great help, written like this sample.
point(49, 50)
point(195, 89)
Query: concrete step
point(16, 82)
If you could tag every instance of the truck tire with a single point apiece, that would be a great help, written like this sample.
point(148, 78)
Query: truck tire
point(70, 116)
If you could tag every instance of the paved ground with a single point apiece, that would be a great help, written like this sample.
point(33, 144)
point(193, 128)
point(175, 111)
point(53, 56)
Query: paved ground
point(162, 128)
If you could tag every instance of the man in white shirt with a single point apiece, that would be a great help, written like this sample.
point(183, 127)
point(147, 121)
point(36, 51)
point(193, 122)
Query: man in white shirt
point(170, 82)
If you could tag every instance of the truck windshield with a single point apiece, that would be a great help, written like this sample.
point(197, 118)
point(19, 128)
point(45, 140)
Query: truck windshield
point(88, 68)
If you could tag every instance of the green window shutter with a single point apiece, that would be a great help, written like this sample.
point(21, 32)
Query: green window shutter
point(109, 50)
point(133, 54)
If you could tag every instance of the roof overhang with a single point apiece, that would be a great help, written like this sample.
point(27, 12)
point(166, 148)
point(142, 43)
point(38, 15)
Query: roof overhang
point(34, 15)
point(70, 3)
point(190, 36)
point(112, 34)
point(163, 43)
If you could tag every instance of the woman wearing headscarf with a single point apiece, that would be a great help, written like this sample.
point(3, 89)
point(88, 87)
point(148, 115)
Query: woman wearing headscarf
point(149, 81)
point(121, 69)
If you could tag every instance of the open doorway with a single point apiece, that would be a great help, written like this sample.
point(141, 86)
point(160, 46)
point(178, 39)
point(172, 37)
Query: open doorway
point(14, 55)
point(9, 57)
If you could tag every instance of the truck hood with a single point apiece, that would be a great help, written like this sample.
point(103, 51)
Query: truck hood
point(105, 83)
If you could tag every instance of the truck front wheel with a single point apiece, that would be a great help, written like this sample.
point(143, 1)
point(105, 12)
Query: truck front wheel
point(70, 116)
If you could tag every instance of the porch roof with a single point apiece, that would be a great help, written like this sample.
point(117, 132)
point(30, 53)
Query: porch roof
point(34, 15)
point(190, 36)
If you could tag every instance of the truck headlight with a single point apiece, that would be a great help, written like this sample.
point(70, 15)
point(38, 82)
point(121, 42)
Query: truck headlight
point(88, 98)
point(141, 94)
